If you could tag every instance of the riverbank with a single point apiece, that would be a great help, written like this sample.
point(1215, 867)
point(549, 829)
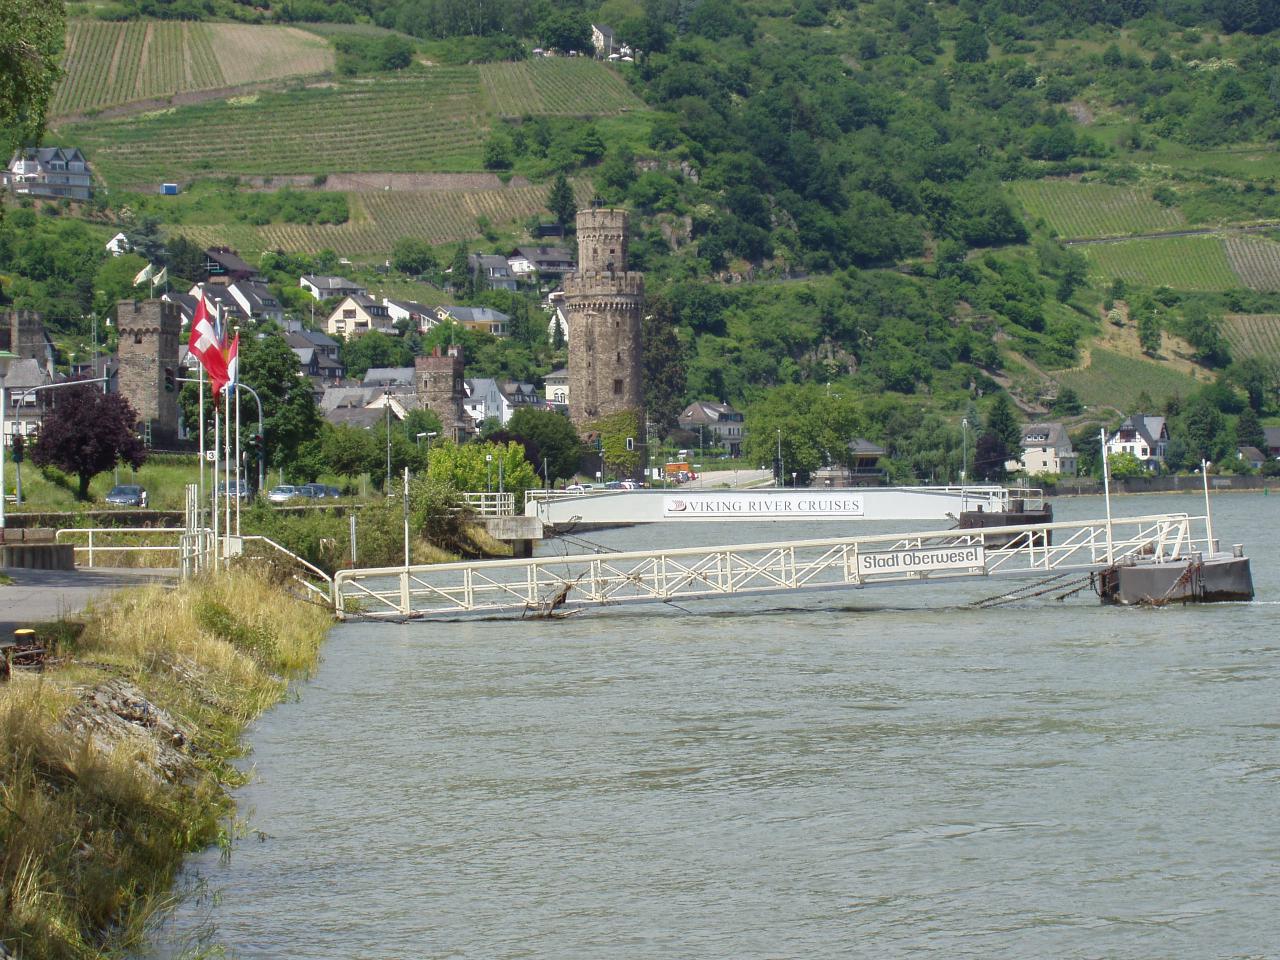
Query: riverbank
point(116, 761)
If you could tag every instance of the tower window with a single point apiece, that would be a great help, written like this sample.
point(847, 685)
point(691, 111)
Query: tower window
point(617, 388)
point(619, 357)
point(137, 338)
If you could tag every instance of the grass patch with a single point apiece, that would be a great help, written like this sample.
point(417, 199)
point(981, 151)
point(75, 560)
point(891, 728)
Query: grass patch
point(1183, 263)
point(116, 763)
point(1113, 380)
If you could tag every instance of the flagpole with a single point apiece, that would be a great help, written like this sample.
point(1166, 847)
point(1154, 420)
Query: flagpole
point(239, 462)
point(214, 483)
point(227, 457)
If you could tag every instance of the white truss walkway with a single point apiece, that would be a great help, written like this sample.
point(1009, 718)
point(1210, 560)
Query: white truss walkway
point(555, 584)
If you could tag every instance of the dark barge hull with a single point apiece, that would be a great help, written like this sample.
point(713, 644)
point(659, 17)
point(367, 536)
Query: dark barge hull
point(1214, 579)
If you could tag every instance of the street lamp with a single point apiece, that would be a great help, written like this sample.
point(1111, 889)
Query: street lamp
point(781, 472)
point(6, 358)
point(488, 472)
point(964, 449)
point(386, 403)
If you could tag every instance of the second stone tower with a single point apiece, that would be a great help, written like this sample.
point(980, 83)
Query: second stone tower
point(603, 304)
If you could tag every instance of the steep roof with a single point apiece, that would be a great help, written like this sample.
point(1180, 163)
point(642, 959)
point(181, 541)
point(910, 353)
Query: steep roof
point(1051, 434)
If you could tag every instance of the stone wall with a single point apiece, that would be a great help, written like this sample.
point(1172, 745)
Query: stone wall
point(22, 334)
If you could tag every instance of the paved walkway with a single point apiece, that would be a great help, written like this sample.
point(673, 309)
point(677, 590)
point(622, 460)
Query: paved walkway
point(38, 596)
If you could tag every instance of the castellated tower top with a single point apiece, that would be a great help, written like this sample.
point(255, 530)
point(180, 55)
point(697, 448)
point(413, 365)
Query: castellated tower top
point(602, 240)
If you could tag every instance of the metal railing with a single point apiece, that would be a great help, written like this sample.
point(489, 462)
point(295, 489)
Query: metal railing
point(95, 547)
point(547, 584)
point(491, 504)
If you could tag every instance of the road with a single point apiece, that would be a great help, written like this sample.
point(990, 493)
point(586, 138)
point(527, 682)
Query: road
point(731, 478)
point(38, 596)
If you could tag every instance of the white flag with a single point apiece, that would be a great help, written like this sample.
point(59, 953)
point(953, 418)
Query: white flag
point(144, 274)
point(161, 277)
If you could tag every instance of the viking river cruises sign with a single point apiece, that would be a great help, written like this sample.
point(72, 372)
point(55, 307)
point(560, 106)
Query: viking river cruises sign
point(744, 506)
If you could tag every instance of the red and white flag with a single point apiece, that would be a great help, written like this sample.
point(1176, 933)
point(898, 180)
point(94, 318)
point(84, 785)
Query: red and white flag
point(206, 347)
point(233, 362)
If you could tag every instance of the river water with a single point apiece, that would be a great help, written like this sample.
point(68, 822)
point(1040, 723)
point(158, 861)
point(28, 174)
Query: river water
point(883, 773)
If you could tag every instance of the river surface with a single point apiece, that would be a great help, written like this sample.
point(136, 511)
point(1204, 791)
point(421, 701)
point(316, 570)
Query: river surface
point(880, 773)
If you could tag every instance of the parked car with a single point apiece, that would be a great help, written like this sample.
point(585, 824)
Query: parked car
point(128, 495)
point(630, 485)
point(578, 488)
point(238, 489)
point(313, 491)
point(332, 492)
point(283, 493)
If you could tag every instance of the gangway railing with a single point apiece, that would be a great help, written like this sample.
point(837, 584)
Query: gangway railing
point(550, 584)
point(491, 504)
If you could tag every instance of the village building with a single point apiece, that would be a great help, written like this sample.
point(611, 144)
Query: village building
point(50, 173)
point(1046, 448)
point(358, 314)
point(326, 288)
point(1143, 435)
point(716, 425)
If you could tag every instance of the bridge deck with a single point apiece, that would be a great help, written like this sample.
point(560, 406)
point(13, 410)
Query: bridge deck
point(549, 584)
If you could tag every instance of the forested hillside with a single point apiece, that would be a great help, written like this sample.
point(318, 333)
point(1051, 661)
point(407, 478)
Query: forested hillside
point(909, 207)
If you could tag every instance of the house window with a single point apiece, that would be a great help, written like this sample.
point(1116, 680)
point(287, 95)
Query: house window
point(617, 388)
point(348, 314)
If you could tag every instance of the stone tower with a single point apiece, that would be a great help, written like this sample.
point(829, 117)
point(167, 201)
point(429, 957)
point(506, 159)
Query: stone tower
point(22, 333)
point(437, 380)
point(603, 304)
point(149, 331)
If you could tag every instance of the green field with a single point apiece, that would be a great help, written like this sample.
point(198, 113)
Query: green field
point(1253, 335)
point(427, 121)
point(1256, 261)
point(1183, 263)
point(1114, 380)
point(379, 219)
point(561, 86)
point(108, 64)
point(1257, 162)
point(1073, 209)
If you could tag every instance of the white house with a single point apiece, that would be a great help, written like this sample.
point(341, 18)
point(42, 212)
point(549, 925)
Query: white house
point(326, 288)
point(479, 319)
point(118, 244)
point(421, 317)
point(358, 314)
point(1046, 448)
point(556, 384)
point(50, 172)
point(1143, 435)
point(487, 399)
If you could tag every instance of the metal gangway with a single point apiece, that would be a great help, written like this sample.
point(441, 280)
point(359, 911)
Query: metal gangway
point(553, 585)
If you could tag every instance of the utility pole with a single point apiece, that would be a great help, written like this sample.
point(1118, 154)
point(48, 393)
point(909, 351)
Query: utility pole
point(386, 402)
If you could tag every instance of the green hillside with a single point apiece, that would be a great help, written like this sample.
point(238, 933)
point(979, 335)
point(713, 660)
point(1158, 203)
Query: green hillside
point(1183, 263)
point(427, 121)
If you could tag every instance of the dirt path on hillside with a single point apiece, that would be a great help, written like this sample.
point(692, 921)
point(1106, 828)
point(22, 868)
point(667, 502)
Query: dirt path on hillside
point(1169, 234)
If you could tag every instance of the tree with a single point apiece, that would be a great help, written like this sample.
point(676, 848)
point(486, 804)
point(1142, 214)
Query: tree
point(553, 434)
point(664, 370)
point(1067, 402)
point(460, 272)
point(1249, 432)
point(373, 349)
point(31, 33)
point(290, 416)
point(989, 457)
point(614, 431)
point(1256, 378)
point(145, 240)
point(565, 32)
point(1125, 466)
point(413, 256)
point(88, 432)
point(464, 467)
point(1002, 422)
point(1149, 333)
point(560, 201)
point(971, 43)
